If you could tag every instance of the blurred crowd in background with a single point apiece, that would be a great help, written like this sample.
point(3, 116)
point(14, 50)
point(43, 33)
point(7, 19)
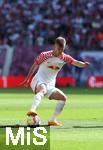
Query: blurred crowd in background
point(28, 27)
point(39, 22)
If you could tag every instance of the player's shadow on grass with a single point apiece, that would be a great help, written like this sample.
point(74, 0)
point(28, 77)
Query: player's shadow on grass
point(78, 127)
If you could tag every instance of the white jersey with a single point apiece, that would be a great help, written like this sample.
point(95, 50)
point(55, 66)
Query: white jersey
point(49, 66)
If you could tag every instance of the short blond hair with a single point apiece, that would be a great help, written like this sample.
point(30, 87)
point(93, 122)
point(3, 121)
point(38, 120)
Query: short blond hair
point(60, 41)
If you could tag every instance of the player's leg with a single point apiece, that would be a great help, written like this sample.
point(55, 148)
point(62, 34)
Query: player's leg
point(40, 91)
point(61, 100)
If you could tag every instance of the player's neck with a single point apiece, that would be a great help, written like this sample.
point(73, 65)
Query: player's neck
point(53, 53)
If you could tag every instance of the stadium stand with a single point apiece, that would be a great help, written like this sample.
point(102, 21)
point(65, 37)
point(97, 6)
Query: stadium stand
point(30, 27)
point(39, 22)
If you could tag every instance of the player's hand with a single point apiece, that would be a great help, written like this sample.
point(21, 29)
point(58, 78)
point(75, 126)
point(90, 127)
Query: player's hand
point(86, 64)
point(24, 83)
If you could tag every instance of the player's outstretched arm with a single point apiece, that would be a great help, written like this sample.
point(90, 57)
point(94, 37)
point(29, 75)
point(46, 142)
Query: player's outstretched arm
point(80, 64)
point(33, 68)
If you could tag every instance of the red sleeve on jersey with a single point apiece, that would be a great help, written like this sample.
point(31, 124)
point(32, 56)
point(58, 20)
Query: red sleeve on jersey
point(40, 59)
point(68, 59)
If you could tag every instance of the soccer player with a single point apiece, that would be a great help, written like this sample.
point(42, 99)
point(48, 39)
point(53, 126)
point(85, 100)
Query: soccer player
point(47, 65)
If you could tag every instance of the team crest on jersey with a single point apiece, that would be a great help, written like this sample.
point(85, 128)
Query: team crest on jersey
point(54, 67)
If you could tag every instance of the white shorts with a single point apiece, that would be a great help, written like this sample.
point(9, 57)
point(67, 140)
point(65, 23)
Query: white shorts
point(50, 88)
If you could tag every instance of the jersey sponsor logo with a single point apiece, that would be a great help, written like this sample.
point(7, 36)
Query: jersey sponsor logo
point(54, 67)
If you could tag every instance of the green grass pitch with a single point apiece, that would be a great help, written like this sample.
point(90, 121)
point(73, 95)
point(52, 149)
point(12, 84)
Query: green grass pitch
point(82, 117)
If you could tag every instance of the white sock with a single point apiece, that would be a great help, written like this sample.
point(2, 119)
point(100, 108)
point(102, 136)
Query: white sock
point(58, 109)
point(36, 101)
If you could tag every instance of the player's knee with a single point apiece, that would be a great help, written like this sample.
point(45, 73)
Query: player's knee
point(42, 89)
point(64, 98)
